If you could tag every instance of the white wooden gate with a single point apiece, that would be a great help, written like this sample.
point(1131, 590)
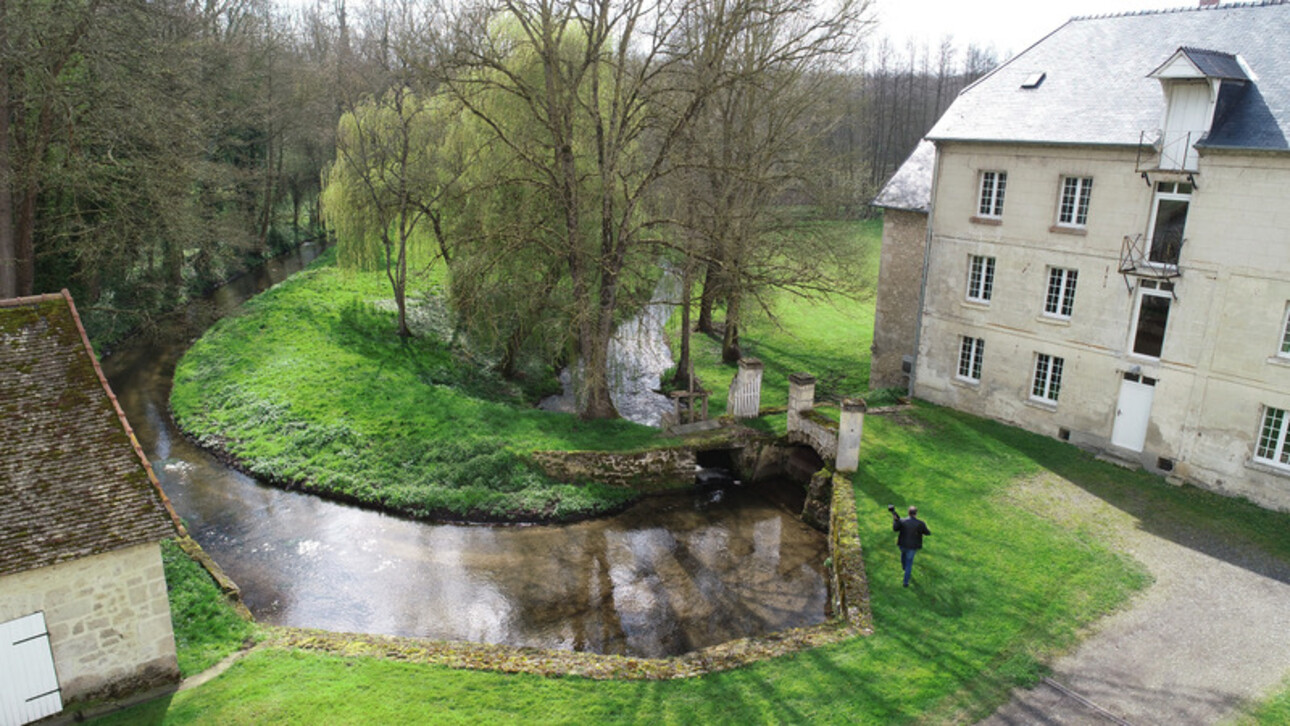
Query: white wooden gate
point(28, 684)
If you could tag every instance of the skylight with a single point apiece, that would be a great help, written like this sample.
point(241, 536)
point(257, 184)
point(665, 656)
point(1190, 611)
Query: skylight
point(1034, 79)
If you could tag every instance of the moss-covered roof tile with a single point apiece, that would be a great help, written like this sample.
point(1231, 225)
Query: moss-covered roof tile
point(72, 477)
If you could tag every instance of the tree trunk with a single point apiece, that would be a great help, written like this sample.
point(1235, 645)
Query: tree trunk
point(8, 250)
point(8, 243)
point(681, 379)
point(174, 273)
point(730, 341)
point(24, 241)
point(708, 300)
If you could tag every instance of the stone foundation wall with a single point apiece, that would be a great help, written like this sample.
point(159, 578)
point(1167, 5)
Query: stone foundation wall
point(108, 618)
point(647, 471)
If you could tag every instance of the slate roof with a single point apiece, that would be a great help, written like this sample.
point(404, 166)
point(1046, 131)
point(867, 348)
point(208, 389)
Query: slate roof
point(1214, 64)
point(1097, 89)
point(73, 480)
point(910, 188)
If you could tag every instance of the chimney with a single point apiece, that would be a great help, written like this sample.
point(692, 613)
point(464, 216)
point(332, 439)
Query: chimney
point(1209, 3)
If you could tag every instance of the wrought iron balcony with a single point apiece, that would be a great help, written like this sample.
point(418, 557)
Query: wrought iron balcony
point(1156, 258)
point(1168, 151)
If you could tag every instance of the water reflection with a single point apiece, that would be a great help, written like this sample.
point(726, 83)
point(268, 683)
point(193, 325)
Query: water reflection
point(669, 575)
point(664, 578)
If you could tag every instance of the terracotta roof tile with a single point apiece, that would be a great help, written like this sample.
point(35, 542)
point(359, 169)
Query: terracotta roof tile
point(72, 478)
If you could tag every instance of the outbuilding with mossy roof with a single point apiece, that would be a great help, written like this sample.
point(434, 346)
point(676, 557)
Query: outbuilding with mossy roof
point(83, 606)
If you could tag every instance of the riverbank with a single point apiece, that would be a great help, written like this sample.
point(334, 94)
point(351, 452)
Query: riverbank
point(309, 388)
point(981, 618)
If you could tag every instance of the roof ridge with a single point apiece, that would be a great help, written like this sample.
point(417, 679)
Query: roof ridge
point(1196, 49)
point(13, 302)
point(1183, 9)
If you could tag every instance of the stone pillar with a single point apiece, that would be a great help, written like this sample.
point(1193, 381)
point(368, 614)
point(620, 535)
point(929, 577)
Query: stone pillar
point(801, 397)
point(744, 400)
point(850, 428)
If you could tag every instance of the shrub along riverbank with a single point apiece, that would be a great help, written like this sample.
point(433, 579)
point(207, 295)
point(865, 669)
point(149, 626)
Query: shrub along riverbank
point(310, 387)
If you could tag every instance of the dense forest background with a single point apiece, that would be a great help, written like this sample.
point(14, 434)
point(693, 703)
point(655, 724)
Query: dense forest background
point(151, 149)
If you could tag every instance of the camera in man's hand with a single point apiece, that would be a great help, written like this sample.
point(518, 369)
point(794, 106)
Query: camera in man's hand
point(891, 508)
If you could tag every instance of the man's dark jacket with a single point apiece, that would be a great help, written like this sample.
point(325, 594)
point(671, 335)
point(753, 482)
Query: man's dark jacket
point(911, 531)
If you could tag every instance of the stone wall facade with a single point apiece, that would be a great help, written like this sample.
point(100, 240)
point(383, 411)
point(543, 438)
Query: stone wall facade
point(895, 317)
point(647, 471)
point(108, 618)
point(1220, 366)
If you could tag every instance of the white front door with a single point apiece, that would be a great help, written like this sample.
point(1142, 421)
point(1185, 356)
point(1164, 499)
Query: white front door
point(1133, 412)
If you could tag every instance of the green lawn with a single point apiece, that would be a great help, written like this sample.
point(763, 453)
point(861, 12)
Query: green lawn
point(1004, 583)
point(998, 589)
point(309, 385)
point(206, 626)
point(829, 340)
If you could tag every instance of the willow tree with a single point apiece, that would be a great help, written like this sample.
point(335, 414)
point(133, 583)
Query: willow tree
point(382, 190)
point(611, 94)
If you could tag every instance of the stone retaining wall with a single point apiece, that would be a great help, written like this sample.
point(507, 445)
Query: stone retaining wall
point(657, 470)
point(850, 589)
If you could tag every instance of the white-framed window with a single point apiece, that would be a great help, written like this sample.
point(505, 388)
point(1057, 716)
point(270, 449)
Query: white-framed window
point(1059, 301)
point(1072, 209)
point(1285, 334)
point(1047, 384)
point(1271, 447)
point(1168, 222)
point(980, 283)
point(990, 201)
point(971, 351)
point(1151, 317)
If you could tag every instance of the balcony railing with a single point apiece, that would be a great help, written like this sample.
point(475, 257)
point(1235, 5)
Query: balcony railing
point(1168, 151)
point(1156, 258)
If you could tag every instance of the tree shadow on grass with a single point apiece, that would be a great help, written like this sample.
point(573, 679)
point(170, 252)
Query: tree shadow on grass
point(1233, 530)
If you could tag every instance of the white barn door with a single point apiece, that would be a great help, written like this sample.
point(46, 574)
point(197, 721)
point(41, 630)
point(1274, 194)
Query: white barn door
point(28, 684)
point(1133, 412)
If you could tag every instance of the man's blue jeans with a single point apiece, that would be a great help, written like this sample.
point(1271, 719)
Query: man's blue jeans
point(907, 562)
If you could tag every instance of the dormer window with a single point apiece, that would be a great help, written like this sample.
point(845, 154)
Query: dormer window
point(1191, 79)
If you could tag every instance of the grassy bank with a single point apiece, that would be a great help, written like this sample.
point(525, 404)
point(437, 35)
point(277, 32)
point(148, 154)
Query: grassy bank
point(206, 627)
point(828, 339)
point(999, 588)
point(310, 387)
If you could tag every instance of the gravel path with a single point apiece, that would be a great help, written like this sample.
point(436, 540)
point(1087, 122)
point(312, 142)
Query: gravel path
point(1212, 631)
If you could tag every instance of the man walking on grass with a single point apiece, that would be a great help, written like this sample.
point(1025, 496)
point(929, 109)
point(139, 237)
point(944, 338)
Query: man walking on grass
point(910, 540)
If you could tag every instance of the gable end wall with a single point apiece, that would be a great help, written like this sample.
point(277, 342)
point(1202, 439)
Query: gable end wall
point(108, 618)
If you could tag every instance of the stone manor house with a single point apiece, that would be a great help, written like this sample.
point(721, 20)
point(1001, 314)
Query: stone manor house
point(1094, 243)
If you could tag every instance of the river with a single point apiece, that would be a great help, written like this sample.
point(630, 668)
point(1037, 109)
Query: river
point(669, 575)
